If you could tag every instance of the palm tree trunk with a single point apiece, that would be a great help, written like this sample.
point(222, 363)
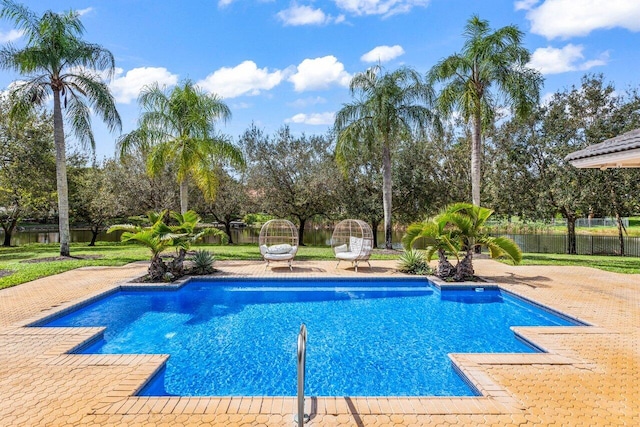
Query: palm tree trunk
point(386, 195)
point(184, 196)
point(464, 269)
point(476, 159)
point(445, 268)
point(61, 175)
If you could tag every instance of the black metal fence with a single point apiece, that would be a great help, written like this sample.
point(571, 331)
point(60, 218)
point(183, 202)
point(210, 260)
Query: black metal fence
point(585, 244)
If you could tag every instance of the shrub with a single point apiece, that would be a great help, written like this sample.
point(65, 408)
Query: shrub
point(413, 262)
point(203, 261)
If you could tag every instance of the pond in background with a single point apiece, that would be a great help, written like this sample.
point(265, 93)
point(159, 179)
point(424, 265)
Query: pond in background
point(248, 235)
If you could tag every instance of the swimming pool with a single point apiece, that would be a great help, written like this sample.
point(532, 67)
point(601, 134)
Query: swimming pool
point(376, 337)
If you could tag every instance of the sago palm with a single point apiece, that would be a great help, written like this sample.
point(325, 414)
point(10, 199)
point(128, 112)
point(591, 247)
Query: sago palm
point(152, 233)
point(188, 231)
point(56, 61)
point(177, 127)
point(438, 239)
point(457, 231)
point(490, 72)
point(388, 108)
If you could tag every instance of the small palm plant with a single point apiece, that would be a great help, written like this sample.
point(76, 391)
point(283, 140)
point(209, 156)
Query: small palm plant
point(156, 235)
point(190, 232)
point(457, 231)
point(152, 233)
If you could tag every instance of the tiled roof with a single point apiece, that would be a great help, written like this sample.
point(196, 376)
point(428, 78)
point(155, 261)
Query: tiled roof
point(626, 141)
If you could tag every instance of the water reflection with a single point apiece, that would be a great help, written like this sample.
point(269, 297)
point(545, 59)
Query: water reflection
point(248, 235)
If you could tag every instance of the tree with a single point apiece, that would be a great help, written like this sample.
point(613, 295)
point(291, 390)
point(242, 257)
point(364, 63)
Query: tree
point(138, 191)
point(57, 61)
point(27, 168)
point(389, 108)
point(292, 177)
point(177, 127)
point(359, 189)
point(488, 59)
point(230, 203)
point(98, 200)
point(572, 120)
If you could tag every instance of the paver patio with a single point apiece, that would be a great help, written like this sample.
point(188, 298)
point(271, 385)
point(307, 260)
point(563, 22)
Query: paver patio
point(590, 375)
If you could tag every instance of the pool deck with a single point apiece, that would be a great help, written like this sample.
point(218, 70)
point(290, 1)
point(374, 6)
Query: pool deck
point(589, 377)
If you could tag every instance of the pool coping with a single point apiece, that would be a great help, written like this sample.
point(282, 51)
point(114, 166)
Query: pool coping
point(494, 399)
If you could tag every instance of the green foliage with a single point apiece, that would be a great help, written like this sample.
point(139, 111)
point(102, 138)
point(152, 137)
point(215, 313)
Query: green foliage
point(157, 236)
point(492, 65)
point(56, 61)
point(457, 230)
point(256, 218)
point(176, 128)
point(27, 168)
point(291, 176)
point(413, 261)
point(389, 108)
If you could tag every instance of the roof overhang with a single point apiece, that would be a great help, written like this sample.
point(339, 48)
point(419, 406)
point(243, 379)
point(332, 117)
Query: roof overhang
point(625, 159)
point(622, 151)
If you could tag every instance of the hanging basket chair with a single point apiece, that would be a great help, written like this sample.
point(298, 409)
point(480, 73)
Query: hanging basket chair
point(352, 240)
point(278, 241)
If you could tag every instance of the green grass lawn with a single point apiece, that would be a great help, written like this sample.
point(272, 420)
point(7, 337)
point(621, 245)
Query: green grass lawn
point(627, 265)
point(14, 270)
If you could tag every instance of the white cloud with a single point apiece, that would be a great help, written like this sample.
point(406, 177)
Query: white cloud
point(224, 3)
point(313, 118)
point(566, 18)
point(304, 15)
point(243, 79)
point(382, 53)
point(546, 98)
point(550, 60)
point(241, 105)
point(82, 12)
point(379, 7)
point(126, 87)
point(319, 73)
point(525, 4)
point(12, 35)
point(305, 102)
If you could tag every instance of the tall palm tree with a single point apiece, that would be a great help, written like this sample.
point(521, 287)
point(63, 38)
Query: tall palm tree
point(177, 127)
point(388, 108)
point(488, 60)
point(56, 61)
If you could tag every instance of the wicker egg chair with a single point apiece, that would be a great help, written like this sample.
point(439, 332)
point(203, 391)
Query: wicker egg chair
point(352, 240)
point(278, 241)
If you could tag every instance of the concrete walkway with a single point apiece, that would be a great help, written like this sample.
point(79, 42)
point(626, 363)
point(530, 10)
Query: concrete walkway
point(590, 375)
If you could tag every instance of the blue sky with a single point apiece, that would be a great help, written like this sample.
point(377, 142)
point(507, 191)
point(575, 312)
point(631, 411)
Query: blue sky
point(289, 62)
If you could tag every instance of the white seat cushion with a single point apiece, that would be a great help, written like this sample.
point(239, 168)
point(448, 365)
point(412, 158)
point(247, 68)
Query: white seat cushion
point(355, 244)
point(278, 257)
point(279, 249)
point(341, 248)
point(347, 255)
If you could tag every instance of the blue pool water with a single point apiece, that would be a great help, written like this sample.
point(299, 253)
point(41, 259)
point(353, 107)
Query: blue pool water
point(365, 337)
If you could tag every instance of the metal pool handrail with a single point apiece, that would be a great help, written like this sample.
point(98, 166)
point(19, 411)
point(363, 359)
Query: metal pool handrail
point(301, 418)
